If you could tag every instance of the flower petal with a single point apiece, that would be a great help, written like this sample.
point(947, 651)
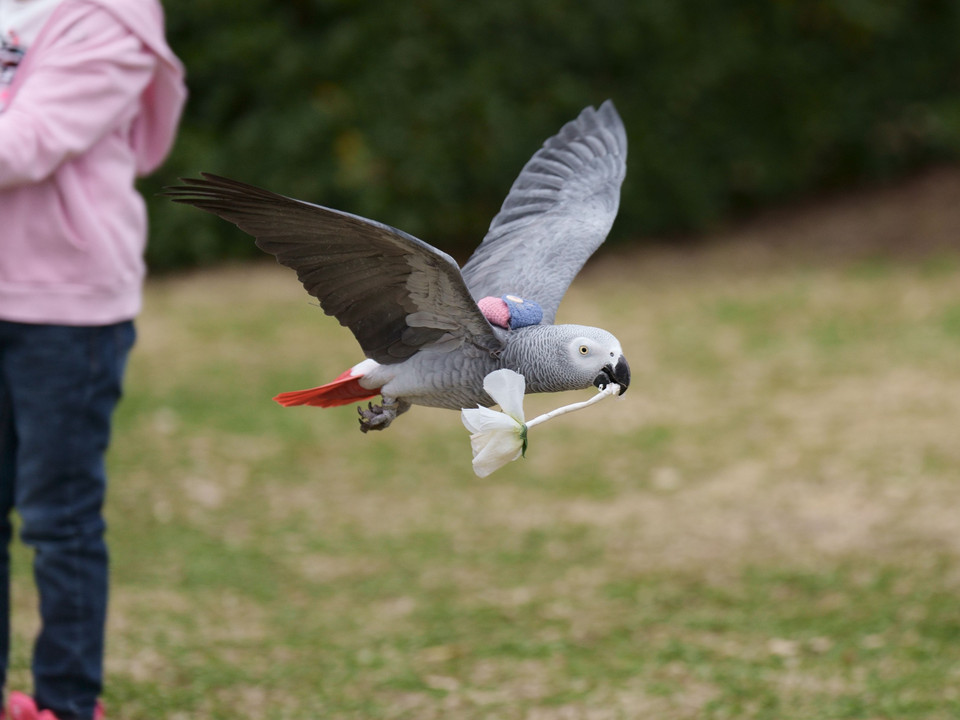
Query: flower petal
point(494, 449)
point(482, 419)
point(506, 387)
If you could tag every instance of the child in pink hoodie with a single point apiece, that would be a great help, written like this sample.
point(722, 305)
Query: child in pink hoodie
point(90, 98)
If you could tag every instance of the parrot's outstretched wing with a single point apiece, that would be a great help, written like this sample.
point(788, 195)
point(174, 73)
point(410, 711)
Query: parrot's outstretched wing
point(557, 213)
point(396, 293)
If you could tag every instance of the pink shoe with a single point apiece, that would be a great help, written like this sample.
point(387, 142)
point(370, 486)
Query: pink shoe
point(23, 707)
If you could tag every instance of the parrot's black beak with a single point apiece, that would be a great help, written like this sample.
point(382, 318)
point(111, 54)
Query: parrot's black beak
point(619, 375)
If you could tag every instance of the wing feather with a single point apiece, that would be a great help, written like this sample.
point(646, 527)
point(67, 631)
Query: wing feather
point(556, 215)
point(396, 293)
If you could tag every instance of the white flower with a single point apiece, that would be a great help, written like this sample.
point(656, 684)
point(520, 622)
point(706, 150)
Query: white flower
point(501, 437)
point(498, 437)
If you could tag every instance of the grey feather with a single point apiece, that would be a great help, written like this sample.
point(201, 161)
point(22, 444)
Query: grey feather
point(396, 293)
point(557, 213)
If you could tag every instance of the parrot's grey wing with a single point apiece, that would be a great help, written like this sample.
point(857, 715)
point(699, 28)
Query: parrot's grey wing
point(557, 213)
point(396, 293)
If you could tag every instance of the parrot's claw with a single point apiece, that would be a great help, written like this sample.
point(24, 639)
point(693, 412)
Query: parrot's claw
point(379, 417)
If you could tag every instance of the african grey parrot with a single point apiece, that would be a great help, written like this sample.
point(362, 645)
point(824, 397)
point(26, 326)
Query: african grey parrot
point(431, 331)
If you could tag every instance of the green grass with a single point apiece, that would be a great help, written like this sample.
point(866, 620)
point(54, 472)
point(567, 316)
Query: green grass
point(765, 526)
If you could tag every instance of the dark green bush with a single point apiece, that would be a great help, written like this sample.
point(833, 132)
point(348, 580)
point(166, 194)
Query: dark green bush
point(420, 114)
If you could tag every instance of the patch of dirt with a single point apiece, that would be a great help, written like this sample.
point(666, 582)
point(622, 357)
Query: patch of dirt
point(914, 219)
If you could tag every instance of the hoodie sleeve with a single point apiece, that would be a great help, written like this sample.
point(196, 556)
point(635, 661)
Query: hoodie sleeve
point(85, 84)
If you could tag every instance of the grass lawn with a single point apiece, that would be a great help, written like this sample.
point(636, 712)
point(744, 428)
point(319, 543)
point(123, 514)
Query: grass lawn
point(766, 526)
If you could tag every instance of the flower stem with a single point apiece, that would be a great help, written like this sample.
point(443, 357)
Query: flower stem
point(609, 390)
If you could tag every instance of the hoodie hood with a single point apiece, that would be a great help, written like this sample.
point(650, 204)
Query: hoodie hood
point(155, 127)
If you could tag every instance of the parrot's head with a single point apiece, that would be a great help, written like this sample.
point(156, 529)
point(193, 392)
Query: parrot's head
point(597, 358)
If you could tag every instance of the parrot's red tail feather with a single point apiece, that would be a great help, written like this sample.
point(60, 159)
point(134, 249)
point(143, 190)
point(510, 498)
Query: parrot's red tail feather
point(344, 390)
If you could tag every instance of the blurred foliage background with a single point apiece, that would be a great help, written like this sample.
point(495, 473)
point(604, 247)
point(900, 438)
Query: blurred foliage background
point(420, 114)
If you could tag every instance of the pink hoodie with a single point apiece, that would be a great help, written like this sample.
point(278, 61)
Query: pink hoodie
point(94, 104)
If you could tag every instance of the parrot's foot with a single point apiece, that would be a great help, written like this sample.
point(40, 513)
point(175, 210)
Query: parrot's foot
point(379, 417)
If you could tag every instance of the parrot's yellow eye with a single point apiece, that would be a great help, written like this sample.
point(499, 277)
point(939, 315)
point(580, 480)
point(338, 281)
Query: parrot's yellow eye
point(584, 349)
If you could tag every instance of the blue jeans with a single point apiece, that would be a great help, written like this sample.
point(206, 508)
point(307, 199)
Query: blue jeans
point(59, 386)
